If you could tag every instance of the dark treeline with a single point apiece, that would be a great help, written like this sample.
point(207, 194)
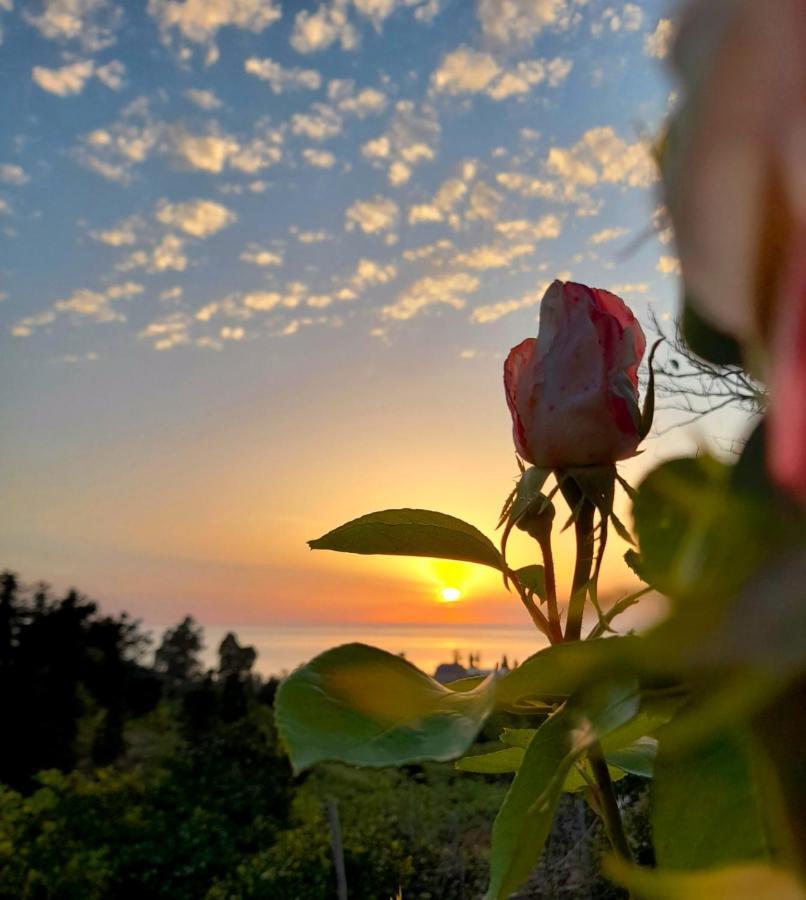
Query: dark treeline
point(128, 771)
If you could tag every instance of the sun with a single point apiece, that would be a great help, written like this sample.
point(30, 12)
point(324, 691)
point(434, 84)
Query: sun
point(450, 594)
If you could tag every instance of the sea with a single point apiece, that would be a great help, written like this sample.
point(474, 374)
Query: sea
point(281, 648)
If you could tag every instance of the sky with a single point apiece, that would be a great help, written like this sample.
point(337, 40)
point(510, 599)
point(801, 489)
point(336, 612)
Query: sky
point(260, 266)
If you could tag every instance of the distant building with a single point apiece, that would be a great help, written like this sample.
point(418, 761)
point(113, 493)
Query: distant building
point(447, 672)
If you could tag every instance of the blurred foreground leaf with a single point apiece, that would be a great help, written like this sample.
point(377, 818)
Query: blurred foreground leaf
point(752, 882)
point(707, 805)
point(357, 704)
point(412, 532)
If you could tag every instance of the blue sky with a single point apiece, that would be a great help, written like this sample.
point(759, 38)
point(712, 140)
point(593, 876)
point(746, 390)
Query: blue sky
point(261, 262)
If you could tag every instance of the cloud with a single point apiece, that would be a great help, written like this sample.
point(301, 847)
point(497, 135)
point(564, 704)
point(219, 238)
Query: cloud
point(483, 315)
point(447, 290)
point(13, 174)
point(493, 256)
point(527, 75)
point(601, 155)
point(465, 71)
point(510, 21)
point(321, 123)
point(95, 306)
point(314, 31)
point(640, 287)
point(65, 81)
point(198, 218)
point(167, 332)
point(408, 141)
point(369, 273)
point(113, 152)
point(372, 216)
point(204, 99)
point(550, 188)
point(71, 79)
point(199, 21)
point(280, 77)
point(113, 75)
point(168, 254)
point(260, 256)
point(309, 237)
point(668, 265)
point(321, 159)
point(606, 235)
point(89, 23)
point(366, 102)
point(545, 228)
point(658, 42)
point(217, 150)
point(121, 235)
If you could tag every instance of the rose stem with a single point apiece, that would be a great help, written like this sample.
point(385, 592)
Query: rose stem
point(582, 570)
point(608, 807)
point(551, 583)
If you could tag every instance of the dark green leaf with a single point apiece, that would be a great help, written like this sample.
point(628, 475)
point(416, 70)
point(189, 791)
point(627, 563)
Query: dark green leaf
point(360, 705)
point(706, 341)
point(637, 758)
point(533, 578)
point(412, 532)
point(498, 762)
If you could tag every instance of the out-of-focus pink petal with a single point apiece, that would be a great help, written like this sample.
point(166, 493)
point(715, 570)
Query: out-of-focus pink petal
point(788, 411)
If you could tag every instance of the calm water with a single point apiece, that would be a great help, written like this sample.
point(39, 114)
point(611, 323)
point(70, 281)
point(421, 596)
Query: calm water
point(283, 647)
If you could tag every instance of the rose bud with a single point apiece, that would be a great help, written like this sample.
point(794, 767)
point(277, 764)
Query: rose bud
point(573, 391)
point(735, 182)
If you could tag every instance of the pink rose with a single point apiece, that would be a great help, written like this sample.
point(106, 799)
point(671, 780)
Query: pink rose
point(573, 391)
point(735, 173)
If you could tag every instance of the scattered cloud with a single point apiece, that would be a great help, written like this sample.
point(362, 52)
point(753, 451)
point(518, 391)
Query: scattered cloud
point(279, 78)
point(198, 21)
point(545, 228)
point(112, 74)
point(204, 99)
point(369, 273)
point(123, 234)
point(601, 155)
point(198, 218)
point(668, 265)
point(606, 235)
point(444, 290)
point(640, 287)
point(65, 81)
point(657, 43)
point(321, 123)
point(491, 312)
point(510, 21)
point(91, 24)
point(493, 256)
point(261, 256)
point(372, 216)
point(10, 173)
point(315, 31)
point(320, 159)
point(82, 304)
point(366, 102)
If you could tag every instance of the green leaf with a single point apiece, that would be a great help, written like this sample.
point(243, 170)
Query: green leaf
point(412, 532)
point(558, 671)
point(524, 820)
point(534, 579)
point(496, 763)
point(637, 758)
point(517, 737)
point(360, 705)
point(706, 805)
point(750, 882)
